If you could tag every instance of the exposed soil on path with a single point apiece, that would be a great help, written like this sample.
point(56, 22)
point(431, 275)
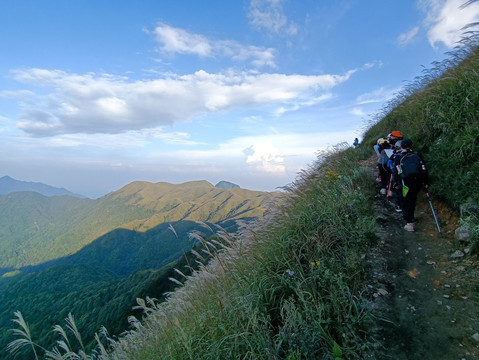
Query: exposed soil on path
point(424, 294)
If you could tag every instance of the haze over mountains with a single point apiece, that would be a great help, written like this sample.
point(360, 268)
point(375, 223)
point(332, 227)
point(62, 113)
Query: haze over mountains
point(9, 185)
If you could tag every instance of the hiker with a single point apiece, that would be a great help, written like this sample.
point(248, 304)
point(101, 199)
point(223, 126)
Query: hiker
point(395, 136)
point(385, 152)
point(410, 177)
point(356, 143)
point(376, 147)
point(393, 186)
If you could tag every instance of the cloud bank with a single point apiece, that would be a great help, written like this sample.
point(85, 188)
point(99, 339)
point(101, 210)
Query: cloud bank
point(102, 103)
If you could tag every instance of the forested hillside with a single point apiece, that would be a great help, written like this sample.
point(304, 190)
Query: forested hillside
point(35, 228)
point(101, 281)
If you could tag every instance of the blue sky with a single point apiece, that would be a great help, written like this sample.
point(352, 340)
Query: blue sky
point(95, 94)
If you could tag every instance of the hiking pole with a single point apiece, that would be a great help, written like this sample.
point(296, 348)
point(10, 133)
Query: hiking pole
point(389, 188)
point(434, 214)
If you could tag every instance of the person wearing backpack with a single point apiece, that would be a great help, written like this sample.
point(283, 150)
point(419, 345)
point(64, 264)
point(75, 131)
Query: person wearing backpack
point(411, 176)
point(385, 152)
point(394, 136)
point(393, 186)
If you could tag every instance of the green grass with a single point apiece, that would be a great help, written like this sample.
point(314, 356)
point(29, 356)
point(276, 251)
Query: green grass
point(439, 111)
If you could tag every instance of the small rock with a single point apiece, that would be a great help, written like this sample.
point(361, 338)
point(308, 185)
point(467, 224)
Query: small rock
point(476, 337)
point(413, 273)
point(462, 233)
point(431, 262)
point(457, 254)
point(446, 296)
point(447, 285)
point(382, 292)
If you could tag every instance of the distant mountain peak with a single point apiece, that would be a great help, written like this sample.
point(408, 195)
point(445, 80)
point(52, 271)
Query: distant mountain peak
point(9, 185)
point(226, 185)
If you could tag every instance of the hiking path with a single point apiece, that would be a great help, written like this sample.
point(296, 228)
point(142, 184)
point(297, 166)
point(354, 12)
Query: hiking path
point(424, 288)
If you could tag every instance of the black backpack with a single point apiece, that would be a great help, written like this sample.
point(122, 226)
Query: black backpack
point(412, 166)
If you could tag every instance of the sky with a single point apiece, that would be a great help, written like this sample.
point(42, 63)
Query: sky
point(95, 94)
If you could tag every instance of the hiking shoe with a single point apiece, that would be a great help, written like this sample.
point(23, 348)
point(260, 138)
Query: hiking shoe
point(409, 227)
point(398, 208)
point(383, 191)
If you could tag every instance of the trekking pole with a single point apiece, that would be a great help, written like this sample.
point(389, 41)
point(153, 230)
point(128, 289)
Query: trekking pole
point(389, 187)
point(434, 214)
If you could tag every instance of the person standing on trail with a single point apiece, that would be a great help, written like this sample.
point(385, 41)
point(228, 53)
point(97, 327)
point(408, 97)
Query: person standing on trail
point(356, 143)
point(393, 186)
point(385, 152)
point(395, 136)
point(410, 177)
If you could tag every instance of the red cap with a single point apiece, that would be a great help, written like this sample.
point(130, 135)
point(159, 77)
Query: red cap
point(396, 133)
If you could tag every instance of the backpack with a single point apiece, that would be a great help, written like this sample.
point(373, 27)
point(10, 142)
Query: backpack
point(383, 158)
point(412, 166)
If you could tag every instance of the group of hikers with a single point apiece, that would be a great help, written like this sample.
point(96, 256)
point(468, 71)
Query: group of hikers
point(402, 173)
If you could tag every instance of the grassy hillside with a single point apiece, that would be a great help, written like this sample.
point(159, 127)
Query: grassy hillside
point(35, 228)
point(291, 286)
point(439, 111)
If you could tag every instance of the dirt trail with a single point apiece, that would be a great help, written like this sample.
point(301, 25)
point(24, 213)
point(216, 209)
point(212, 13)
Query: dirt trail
point(425, 302)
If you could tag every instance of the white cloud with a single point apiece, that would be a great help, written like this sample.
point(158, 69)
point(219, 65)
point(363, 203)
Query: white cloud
point(357, 112)
point(266, 157)
point(297, 105)
point(175, 40)
point(408, 37)
point(446, 19)
point(377, 96)
point(91, 103)
point(269, 15)
point(179, 41)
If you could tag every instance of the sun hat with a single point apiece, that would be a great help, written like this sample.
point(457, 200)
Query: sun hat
point(397, 133)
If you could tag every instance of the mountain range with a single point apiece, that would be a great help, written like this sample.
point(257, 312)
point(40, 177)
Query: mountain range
point(9, 185)
point(35, 228)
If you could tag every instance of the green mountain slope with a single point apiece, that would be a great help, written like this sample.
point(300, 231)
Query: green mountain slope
point(101, 282)
point(124, 251)
point(35, 228)
point(101, 298)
